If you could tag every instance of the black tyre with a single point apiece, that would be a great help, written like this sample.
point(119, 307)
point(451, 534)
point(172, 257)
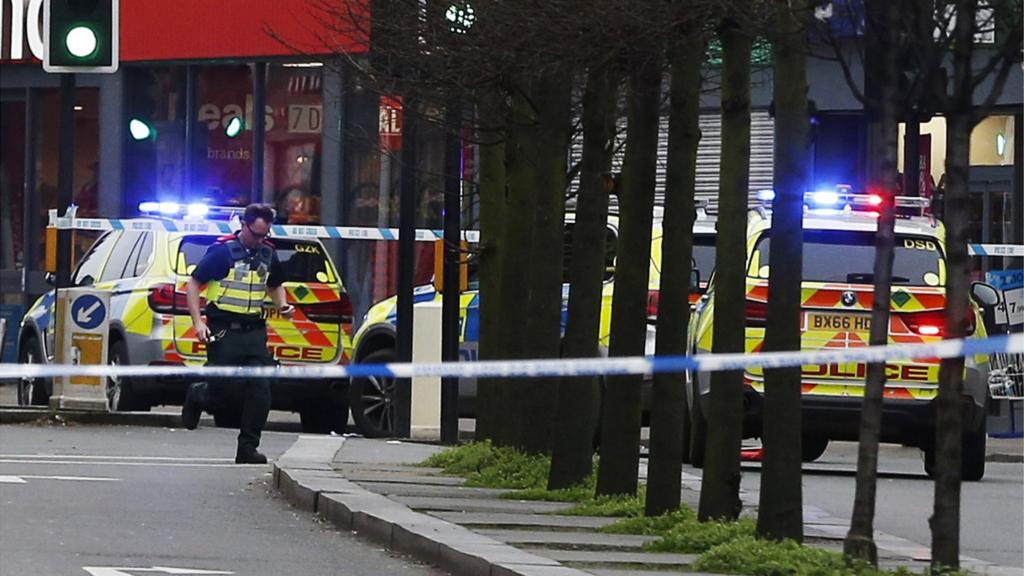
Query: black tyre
point(32, 391)
point(120, 396)
point(330, 415)
point(812, 447)
point(698, 430)
point(972, 465)
point(372, 399)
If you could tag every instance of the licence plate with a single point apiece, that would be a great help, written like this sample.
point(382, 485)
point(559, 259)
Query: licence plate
point(838, 322)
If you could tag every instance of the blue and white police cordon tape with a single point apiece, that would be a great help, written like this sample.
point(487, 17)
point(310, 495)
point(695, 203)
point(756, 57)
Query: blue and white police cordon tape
point(559, 367)
point(144, 224)
point(995, 249)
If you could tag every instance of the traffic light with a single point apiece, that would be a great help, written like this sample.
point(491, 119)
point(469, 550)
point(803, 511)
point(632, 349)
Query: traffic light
point(80, 35)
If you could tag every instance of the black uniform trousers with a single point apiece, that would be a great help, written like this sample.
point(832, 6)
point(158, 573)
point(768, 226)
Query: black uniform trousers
point(243, 344)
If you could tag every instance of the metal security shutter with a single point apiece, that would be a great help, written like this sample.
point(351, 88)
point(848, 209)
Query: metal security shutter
point(762, 154)
point(762, 134)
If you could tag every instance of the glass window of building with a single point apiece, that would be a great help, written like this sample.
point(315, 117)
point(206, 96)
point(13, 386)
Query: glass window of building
point(292, 150)
point(224, 135)
point(154, 158)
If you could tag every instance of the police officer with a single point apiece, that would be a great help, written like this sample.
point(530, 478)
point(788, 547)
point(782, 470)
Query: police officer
point(238, 270)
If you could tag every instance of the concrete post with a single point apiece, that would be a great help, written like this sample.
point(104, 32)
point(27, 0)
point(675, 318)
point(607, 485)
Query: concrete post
point(425, 418)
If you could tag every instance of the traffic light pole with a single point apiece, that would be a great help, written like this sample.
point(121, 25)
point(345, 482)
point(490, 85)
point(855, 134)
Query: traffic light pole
point(452, 286)
point(65, 175)
point(406, 265)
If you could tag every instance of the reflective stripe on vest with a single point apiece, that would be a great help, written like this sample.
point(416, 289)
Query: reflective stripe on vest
point(244, 289)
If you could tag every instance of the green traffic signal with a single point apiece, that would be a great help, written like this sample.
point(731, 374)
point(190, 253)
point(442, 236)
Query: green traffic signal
point(140, 130)
point(80, 35)
point(81, 42)
point(234, 127)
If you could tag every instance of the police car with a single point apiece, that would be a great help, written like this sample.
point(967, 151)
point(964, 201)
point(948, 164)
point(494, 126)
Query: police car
point(837, 290)
point(145, 264)
point(372, 398)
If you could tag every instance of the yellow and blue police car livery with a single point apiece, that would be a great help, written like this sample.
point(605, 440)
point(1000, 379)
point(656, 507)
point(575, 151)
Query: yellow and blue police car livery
point(373, 408)
point(837, 292)
point(146, 273)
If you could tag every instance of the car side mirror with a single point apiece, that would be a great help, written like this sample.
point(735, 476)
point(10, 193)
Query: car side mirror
point(694, 280)
point(50, 278)
point(993, 314)
point(985, 295)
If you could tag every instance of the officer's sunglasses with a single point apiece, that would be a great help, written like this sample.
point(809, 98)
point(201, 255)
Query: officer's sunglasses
point(257, 234)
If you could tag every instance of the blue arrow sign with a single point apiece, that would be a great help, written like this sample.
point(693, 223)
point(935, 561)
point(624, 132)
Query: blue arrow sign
point(88, 311)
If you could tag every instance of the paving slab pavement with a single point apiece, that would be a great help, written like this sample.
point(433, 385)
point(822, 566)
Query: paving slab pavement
point(375, 488)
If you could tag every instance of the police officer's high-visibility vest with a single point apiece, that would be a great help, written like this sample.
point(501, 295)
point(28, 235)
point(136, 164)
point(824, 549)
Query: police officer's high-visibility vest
point(243, 290)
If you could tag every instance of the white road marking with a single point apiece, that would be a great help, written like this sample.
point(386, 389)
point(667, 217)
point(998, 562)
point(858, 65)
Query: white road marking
point(117, 571)
point(227, 464)
point(91, 457)
point(20, 479)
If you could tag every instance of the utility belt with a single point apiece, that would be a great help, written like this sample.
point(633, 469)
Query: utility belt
point(237, 322)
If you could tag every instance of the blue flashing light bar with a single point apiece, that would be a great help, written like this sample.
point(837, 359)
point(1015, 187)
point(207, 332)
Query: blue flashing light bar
point(825, 198)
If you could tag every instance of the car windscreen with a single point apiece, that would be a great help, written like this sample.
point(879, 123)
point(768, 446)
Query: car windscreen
point(302, 261)
point(849, 257)
point(704, 255)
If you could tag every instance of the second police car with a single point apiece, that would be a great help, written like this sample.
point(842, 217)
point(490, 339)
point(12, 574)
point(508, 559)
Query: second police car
point(372, 399)
point(146, 271)
point(837, 292)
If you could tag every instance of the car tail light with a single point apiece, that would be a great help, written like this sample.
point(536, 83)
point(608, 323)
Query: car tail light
point(333, 312)
point(653, 298)
point(757, 313)
point(163, 298)
point(933, 322)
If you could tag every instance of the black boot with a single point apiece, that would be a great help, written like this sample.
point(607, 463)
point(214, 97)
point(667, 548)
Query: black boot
point(192, 409)
point(249, 457)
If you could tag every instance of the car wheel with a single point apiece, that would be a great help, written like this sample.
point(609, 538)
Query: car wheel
point(812, 447)
point(31, 391)
point(120, 396)
point(698, 430)
point(331, 415)
point(372, 399)
point(972, 465)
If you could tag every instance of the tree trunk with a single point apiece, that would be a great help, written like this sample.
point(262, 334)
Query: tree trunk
point(516, 267)
point(780, 515)
point(579, 398)
point(490, 400)
point(620, 412)
point(550, 95)
point(719, 495)
point(945, 520)
point(670, 423)
point(859, 543)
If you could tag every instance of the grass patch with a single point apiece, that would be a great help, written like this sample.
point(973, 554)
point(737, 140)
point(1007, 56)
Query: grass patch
point(580, 493)
point(487, 466)
point(652, 526)
point(747, 555)
point(613, 506)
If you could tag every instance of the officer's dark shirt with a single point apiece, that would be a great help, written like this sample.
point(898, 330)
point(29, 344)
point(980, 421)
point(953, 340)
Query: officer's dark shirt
point(216, 265)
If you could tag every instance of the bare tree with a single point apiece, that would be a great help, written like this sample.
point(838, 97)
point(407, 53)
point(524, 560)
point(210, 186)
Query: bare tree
point(579, 398)
point(669, 412)
point(780, 515)
point(719, 495)
point(620, 419)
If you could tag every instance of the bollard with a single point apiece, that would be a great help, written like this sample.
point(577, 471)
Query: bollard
point(83, 320)
point(425, 412)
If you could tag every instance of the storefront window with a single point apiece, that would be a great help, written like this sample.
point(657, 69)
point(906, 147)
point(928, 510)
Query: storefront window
point(12, 179)
point(223, 162)
point(292, 152)
point(155, 143)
